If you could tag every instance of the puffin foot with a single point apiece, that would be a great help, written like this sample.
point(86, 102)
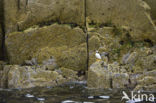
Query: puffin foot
point(98, 59)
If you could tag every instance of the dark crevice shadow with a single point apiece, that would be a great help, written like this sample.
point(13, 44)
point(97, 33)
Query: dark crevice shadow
point(2, 23)
point(86, 31)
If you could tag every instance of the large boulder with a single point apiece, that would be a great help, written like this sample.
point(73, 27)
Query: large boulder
point(104, 76)
point(132, 14)
point(65, 44)
point(98, 76)
point(15, 76)
point(21, 14)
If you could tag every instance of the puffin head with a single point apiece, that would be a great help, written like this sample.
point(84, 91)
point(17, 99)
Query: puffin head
point(97, 51)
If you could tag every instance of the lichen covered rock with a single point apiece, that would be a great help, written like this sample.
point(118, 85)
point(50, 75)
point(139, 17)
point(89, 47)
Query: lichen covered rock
point(120, 80)
point(14, 76)
point(67, 73)
point(21, 14)
point(109, 40)
point(66, 45)
point(128, 13)
point(103, 76)
point(142, 59)
point(98, 76)
point(147, 81)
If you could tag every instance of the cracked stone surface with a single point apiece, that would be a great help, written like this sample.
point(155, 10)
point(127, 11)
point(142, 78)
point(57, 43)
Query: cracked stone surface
point(21, 14)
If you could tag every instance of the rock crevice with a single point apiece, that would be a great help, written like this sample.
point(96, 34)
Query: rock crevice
point(2, 31)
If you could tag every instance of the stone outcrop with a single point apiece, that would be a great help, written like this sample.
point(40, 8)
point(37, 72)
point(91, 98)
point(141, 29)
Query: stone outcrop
point(65, 44)
point(147, 81)
point(128, 13)
point(21, 14)
point(15, 76)
point(104, 76)
point(116, 45)
point(99, 77)
point(135, 70)
point(141, 60)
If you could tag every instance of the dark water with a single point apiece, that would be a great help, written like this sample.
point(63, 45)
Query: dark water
point(67, 93)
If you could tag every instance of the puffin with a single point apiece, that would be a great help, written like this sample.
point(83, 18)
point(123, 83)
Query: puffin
point(97, 55)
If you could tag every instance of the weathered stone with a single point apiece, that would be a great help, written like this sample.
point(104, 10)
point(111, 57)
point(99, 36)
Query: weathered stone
point(101, 75)
point(15, 76)
point(128, 13)
point(147, 83)
point(98, 76)
point(109, 42)
point(152, 4)
point(2, 63)
point(21, 14)
point(146, 60)
point(120, 80)
point(129, 58)
point(134, 78)
point(4, 76)
point(50, 64)
point(68, 73)
point(140, 60)
point(150, 73)
point(147, 80)
point(66, 45)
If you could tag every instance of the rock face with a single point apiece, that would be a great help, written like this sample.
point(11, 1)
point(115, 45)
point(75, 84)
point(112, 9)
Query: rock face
point(152, 4)
point(45, 40)
point(116, 45)
point(15, 76)
point(66, 45)
point(120, 80)
point(147, 81)
point(21, 14)
point(141, 60)
point(101, 75)
point(136, 70)
point(130, 13)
